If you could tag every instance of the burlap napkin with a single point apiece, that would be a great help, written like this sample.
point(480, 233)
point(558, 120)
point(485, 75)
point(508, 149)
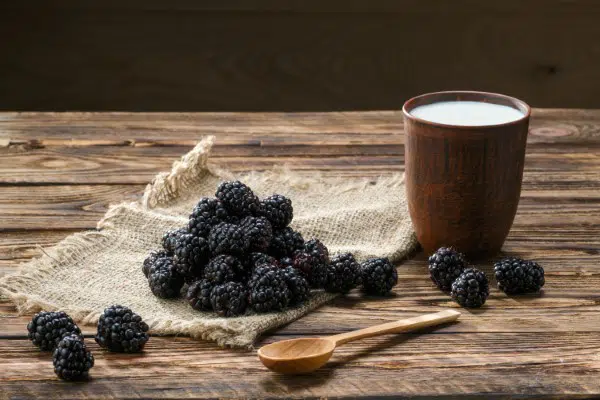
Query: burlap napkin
point(89, 271)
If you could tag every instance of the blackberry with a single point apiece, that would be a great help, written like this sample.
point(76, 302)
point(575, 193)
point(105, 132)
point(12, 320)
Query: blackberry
point(229, 299)
point(227, 239)
point(471, 288)
point(268, 290)
point(163, 278)
point(71, 358)
point(445, 265)
point(198, 295)
point(151, 260)
point(312, 261)
point(379, 276)
point(191, 254)
point(253, 260)
point(297, 285)
point(515, 275)
point(170, 237)
point(223, 268)
point(46, 329)
point(343, 274)
point(206, 214)
point(285, 242)
point(278, 210)
point(238, 198)
point(258, 231)
point(121, 330)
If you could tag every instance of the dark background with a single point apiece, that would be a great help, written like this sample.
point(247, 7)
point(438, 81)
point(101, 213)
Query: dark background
point(260, 55)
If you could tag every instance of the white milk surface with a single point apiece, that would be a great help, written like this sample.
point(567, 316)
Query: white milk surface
point(466, 113)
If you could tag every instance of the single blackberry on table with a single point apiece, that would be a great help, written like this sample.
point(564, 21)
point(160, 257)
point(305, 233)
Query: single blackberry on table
point(229, 299)
point(46, 329)
point(471, 288)
point(285, 242)
point(297, 285)
point(312, 261)
point(151, 260)
point(258, 231)
point(198, 295)
point(223, 268)
point(268, 290)
point(163, 278)
point(227, 239)
point(121, 330)
point(278, 210)
point(378, 275)
point(191, 254)
point(170, 237)
point(515, 275)
point(253, 260)
point(71, 358)
point(343, 274)
point(206, 214)
point(238, 198)
point(445, 265)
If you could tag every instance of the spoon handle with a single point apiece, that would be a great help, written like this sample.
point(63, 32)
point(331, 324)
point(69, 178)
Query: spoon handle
point(403, 325)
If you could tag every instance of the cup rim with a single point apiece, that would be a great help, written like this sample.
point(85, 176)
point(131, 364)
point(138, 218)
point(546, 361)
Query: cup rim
point(410, 102)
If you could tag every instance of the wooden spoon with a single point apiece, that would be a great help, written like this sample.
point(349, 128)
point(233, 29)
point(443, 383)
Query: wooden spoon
point(299, 356)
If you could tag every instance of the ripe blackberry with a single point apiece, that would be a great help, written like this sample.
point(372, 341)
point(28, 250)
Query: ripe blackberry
point(258, 231)
point(198, 295)
point(46, 329)
point(268, 290)
point(343, 274)
point(223, 268)
point(515, 275)
point(227, 239)
point(297, 285)
point(151, 260)
point(278, 210)
point(163, 278)
point(71, 358)
point(253, 260)
point(206, 214)
point(471, 288)
point(238, 198)
point(121, 330)
point(378, 275)
point(229, 299)
point(285, 242)
point(170, 237)
point(191, 253)
point(312, 261)
point(445, 265)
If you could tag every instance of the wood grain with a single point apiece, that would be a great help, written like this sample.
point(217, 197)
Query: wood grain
point(59, 172)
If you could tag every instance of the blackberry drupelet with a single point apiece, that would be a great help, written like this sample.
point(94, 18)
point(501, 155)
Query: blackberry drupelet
point(268, 290)
point(151, 260)
point(71, 358)
point(121, 330)
point(191, 254)
point(471, 288)
point(46, 329)
point(227, 238)
point(238, 198)
point(253, 260)
point(229, 299)
point(163, 278)
point(206, 214)
point(312, 261)
point(258, 231)
point(285, 262)
point(198, 295)
point(515, 275)
point(343, 274)
point(297, 285)
point(170, 237)
point(278, 210)
point(445, 265)
point(223, 268)
point(285, 242)
point(378, 275)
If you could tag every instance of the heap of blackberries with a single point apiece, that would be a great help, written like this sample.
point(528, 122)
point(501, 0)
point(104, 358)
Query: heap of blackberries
point(469, 287)
point(239, 253)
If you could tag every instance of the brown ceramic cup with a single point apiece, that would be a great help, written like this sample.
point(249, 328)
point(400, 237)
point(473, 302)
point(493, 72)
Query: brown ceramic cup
point(463, 183)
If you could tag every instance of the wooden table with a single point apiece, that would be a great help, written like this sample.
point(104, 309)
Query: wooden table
point(60, 171)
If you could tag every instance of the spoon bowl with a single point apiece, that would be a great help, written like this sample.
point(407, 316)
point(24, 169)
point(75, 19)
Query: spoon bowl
point(297, 356)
